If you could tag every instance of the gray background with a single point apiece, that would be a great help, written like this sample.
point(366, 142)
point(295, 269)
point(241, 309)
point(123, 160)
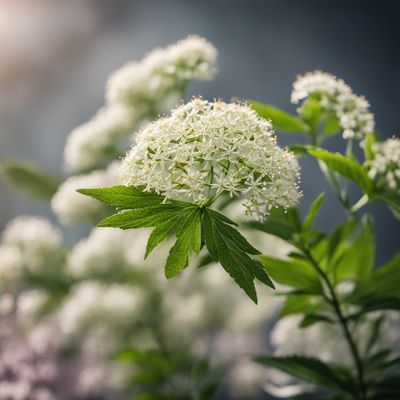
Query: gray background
point(56, 56)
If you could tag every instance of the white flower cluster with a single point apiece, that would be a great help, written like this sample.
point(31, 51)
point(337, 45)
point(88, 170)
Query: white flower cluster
point(204, 149)
point(385, 166)
point(137, 91)
point(90, 144)
point(111, 254)
point(93, 304)
point(335, 96)
point(72, 207)
point(28, 243)
point(162, 73)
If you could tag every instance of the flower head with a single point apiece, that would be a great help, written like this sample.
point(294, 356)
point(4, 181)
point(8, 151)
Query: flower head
point(204, 149)
point(30, 242)
point(162, 73)
point(90, 144)
point(385, 166)
point(336, 97)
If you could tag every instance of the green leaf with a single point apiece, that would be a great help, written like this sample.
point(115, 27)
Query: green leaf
point(382, 283)
point(344, 166)
point(295, 273)
point(369, 140)
point(281, 120)
point(280, 223)
point(330, 127)
point(311, 113)
point(308, 369)
point(125, 197)
point(188, 238)
point(29, 178)
point(315, 206)
point(227, 246)
point(358, 260)
point(311, 319)
point(302, 304)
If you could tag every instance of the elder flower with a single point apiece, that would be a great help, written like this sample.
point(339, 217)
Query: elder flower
point(204, 149)
point(162, 73)
point(336, 97)
point(385, 166)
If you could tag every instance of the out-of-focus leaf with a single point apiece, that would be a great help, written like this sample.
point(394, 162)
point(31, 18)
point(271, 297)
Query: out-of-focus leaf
point(295, 273)
point(344, 166)
point(369, 140)
point(358, 260)
point(281, 120)
point(311, 113)
point(29, 178)
point(315, 206)
point(302, 304)
point(311, 319)
point(308, 369)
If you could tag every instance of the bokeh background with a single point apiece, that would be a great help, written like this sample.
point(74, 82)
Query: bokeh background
point(55, 57)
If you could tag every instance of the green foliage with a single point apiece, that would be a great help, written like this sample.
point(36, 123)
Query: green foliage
point(193, 227)
point(314, 208)
point(310, 370)
point(281, 120)
point(29, 178)
point(345, 166)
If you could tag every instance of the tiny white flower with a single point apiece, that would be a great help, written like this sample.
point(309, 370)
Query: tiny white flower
point(204, 149)
point(385, 165)
point(335, 96)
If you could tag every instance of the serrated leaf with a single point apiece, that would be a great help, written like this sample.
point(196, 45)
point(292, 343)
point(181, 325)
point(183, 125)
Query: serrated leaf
point(315, 206)
point(281, 120)
point(125, 197)
point(308, 369)
point(226, 245)
point(344, 166)
point(29, 178)
point(187, 238)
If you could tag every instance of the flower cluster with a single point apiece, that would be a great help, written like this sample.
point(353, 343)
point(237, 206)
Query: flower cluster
point(73, 208)
point(164, 72)
point(93, 304)
point(205, 149)
point(139, 91)
point(385, 166)
point(28, 244)
point(336, 97)
point(90, 144)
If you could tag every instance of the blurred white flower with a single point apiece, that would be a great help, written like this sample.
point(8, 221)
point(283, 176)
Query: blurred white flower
point(204, 149)
point(72, 207)
point(336, 97)
point(385, 165)
point(29, 304)
point(324, 341)
point(161, 74)
point(92, 304)
point(90, 144)
point(30, 242)
point(10, 266)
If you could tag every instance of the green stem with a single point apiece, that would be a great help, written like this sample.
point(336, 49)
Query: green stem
point(334, 301)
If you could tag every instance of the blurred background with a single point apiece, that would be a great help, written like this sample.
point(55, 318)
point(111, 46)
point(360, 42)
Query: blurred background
point(55, 57)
